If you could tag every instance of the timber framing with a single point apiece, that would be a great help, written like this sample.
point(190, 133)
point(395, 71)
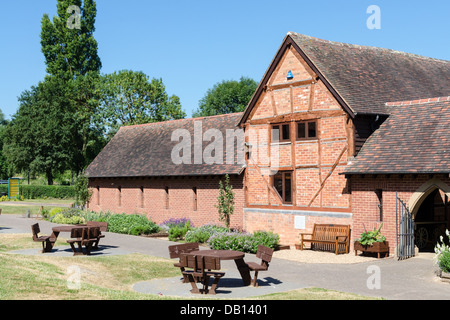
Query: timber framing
point(265, 85)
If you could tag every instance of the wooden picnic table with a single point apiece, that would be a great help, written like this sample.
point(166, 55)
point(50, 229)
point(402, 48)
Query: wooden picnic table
point(237, 256)
point(57, 230)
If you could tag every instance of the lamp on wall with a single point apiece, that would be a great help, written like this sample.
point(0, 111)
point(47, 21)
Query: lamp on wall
point(290, 76)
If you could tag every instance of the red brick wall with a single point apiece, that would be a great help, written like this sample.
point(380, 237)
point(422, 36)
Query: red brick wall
point(288, 101)
point(282, 222)
point(152, 201)
point(366, 214)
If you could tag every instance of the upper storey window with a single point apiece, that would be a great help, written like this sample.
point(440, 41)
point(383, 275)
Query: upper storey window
point(306, 130)
point(281, 133)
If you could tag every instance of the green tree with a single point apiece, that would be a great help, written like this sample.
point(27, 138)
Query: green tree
point(38, 138)
point(71, 57)
point(130, 98)
point(4, 167)
point(70, 52)
point(225, 201)
point(226, 97)
point(82, 192)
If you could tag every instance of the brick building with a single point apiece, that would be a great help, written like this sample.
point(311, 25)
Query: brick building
point(145, 170)
point(326, 141)
point(312, 121)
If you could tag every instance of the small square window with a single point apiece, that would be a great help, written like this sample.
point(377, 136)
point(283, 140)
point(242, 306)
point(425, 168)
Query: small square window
point(281, 132)
point(306, 130)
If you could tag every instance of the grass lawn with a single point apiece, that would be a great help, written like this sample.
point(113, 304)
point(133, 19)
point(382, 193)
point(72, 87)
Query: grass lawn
point(33, 205)
point(44, 277)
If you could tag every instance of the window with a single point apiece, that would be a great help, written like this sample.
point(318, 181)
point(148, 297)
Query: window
point(120, 196)
point(282, 182)
point(98, 195)
point(194, 193)
point(280, 132)
point(166, 190)
point(306, 130)
point(142, 196)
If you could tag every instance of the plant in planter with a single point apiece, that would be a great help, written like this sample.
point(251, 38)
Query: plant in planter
point(372, 241)
point(368, 238)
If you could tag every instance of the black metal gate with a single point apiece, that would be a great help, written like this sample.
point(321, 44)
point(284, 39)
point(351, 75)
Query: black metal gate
point(405, 231)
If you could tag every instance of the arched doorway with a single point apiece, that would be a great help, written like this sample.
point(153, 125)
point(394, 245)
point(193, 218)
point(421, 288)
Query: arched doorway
point(430, 209)
point(431, 220)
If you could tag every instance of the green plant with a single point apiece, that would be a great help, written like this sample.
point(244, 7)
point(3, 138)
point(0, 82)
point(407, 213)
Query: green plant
point(61, 219)
point(225, 200)
point(178, 232)
point(54, 211)
point(82, 191)
point(203, 233)
point(368, 238)
point(131, 224)
point(442, 251)
point(241, 241)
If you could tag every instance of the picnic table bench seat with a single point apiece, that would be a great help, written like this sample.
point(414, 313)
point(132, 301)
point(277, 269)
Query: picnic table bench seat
point(176, 250)
point(265, 254)
point(86, 237)
point(47, 241)
point(202, 267)
point(327, 237)
point(103, 228)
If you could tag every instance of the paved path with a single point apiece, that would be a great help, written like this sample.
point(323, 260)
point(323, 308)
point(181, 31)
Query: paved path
point(412, 279)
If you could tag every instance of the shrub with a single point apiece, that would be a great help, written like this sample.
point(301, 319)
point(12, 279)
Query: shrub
point(131, 224)
point(203, 233)
point(178, 231)
point(54, 211)
point(43, 192)
point(61, 219)
point(442, 251)
point(179, 222)
point(245, 242)
point(444, 261)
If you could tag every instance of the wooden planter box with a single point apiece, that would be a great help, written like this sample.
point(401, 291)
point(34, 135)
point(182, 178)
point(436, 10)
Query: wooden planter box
point(377, 247)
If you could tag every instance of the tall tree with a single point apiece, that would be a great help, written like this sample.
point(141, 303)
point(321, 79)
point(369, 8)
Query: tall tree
point(226, 97)
point(130, 97)
point(38, 138)
point(70, 52)
point(71, 57)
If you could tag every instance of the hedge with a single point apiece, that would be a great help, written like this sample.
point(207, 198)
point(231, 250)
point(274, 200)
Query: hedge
point(42, 192)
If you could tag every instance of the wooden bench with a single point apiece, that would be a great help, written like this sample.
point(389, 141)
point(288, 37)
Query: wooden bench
point(86, 237)
point(327, 237)
point(202, 267)
point(103, 228)
point(265, 254)
point(176, 250)
point(47, 241)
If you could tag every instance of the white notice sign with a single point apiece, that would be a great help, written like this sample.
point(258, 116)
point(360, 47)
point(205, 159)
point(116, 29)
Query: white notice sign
point(300, 222)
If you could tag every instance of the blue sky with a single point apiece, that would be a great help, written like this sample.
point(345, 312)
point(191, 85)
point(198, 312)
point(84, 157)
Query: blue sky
point(194, 44)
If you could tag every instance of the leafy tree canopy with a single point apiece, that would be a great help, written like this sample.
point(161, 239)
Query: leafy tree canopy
point(226, 97)
point(130, 98)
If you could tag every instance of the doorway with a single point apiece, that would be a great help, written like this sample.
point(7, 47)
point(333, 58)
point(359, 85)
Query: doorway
point(431, 220)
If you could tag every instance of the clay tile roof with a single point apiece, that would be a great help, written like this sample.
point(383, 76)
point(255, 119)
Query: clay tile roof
point(146, 150)
point(368, 77)
point(414, 139)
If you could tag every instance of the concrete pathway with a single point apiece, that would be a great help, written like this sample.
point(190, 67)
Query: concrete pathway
point(412, 279)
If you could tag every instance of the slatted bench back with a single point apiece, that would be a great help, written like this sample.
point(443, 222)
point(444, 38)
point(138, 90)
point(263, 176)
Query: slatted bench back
point(329, 232)
point(177, 249)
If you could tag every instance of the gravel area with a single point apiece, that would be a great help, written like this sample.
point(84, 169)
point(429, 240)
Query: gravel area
point(308, 256)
